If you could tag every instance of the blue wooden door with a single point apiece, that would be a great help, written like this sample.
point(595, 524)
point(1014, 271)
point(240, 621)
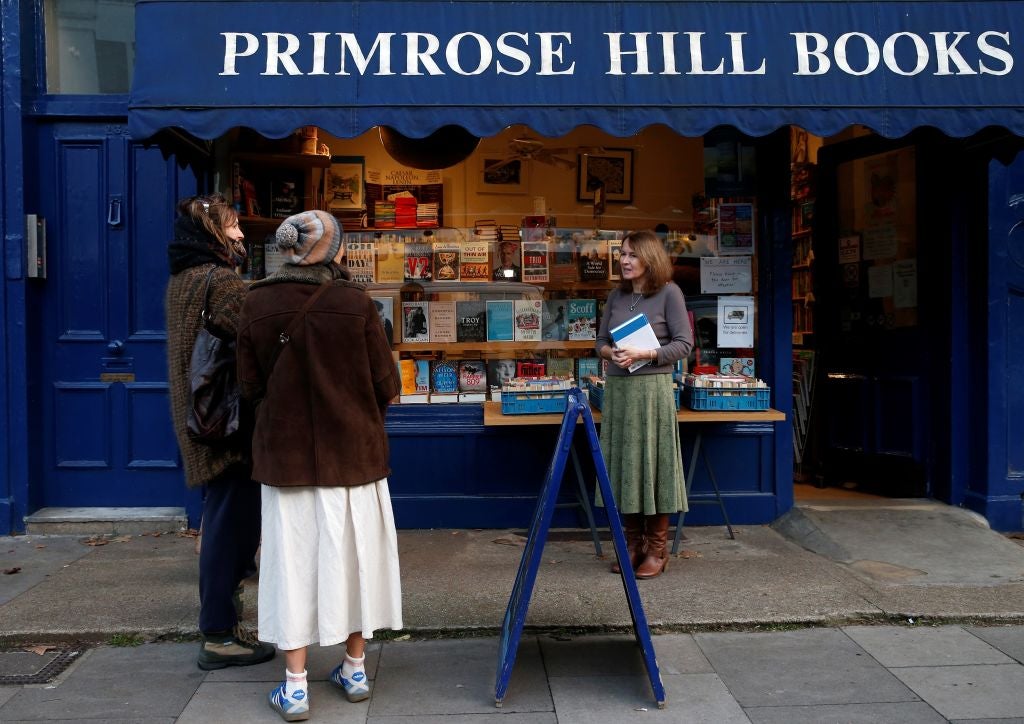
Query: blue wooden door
point(1003, 500)
point(105, 437)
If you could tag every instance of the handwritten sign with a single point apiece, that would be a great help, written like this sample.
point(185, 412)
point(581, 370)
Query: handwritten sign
point(725, 275)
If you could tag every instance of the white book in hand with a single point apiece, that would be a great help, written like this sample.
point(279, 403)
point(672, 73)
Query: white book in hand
point(637, 333)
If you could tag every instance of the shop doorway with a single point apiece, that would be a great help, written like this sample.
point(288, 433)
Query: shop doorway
point(100, 400)
point(872, 339)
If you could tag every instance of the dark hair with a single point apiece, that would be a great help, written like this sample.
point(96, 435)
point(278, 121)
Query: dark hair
point(213, 214)
point(650, 250)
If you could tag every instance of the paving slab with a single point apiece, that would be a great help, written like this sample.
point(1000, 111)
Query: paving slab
point(1012, 720)
point(456, 677)
point(6, 692)
point(247, 702)
point(611, 699)
point(963, 692)
point(148, 681)
point(916, 712)
point(35, 558)
point(143, 720)
point(497, 717)
point(924, 646)
point(1008, 639)
point(808, 667)
point(620, 655)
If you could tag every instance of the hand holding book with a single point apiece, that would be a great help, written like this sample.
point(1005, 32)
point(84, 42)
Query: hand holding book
point(636, 344)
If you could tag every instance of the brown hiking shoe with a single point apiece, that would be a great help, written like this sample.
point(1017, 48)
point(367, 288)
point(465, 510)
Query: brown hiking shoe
point(232, 648)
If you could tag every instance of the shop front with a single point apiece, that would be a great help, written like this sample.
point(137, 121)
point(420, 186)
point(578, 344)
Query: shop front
point(871, 143)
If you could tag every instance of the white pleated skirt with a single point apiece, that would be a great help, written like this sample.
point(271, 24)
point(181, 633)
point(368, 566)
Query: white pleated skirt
point(329, 564)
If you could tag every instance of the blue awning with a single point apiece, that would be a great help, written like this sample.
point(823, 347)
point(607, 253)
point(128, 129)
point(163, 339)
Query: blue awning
point(207, 66)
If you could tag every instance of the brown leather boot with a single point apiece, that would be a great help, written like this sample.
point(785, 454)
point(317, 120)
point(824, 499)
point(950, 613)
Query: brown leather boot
point(633, 527)
point(657, 543)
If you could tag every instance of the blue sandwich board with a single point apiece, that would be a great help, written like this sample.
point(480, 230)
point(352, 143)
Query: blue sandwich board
point(519, 601)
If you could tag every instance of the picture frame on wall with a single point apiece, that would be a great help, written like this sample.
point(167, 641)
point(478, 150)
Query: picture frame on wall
point(611, 169)
point(344, 187)
point(498, 175)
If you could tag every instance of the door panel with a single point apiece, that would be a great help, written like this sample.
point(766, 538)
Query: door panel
point(109, 205)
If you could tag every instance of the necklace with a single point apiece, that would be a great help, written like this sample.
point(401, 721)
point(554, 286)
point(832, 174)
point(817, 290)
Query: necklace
point(636, 300)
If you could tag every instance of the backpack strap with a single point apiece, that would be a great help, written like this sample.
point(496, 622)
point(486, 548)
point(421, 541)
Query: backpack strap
point(285, 337)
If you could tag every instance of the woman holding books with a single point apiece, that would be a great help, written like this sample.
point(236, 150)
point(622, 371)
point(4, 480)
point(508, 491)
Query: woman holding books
point(206, 247)
point(639, 432)
point(313, 355)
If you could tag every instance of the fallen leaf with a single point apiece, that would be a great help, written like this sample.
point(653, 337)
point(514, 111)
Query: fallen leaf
point(41, 545)
point(403, 637)
point(689, 554)
point(95, 541)
point(187, 533)
point(40, 649)
point(510, 540)
point(9, 571)
point(121, 539)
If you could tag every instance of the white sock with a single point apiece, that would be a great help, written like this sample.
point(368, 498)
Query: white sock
point(294, 682)
point(351, 665)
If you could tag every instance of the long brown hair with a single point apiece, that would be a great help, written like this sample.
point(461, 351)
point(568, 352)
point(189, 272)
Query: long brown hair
point(650, 250)
point(213, 214)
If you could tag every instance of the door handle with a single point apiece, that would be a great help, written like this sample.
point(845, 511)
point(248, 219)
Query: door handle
point(114, 211)
point(116, 347)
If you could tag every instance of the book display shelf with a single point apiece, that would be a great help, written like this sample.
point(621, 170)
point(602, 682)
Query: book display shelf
point(803, 302)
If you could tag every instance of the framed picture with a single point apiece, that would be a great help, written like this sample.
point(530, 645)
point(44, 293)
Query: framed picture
point(345, 184)
point(498, 177)
point(612, 168)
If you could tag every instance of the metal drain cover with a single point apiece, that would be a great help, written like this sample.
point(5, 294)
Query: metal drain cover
point(18, 668)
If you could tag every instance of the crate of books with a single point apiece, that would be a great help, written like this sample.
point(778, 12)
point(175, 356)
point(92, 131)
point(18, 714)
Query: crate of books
point(725, 392)
point(534, 395)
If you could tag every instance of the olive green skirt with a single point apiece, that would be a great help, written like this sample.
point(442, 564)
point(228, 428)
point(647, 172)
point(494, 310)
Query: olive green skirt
point(640, 444)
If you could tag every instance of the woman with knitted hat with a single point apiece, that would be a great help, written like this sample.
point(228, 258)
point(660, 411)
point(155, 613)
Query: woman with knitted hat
point(206, 247)
point(313, 357)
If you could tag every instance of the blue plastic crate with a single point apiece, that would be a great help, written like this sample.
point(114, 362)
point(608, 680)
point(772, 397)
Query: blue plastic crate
point(713, 398)
point(533, 403)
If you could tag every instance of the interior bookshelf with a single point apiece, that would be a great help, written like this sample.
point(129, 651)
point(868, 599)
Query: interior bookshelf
point(803, 304)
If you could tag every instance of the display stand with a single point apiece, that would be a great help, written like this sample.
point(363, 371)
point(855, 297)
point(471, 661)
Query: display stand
point(526, 576)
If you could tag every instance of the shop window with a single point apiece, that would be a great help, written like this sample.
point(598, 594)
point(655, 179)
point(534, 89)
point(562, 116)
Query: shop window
point(90, 46)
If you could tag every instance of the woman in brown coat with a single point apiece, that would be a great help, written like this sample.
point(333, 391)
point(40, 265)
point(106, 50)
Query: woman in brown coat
point(313, 357)
point(207, 245)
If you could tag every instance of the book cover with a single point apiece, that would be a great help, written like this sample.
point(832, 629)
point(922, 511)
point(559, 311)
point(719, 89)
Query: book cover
point(582, 319)
point(446, 261)
point(560, 366)
point(441, 321)
point(390, 258)
point(527, 320)
point(407, 374)
point(587, 367)
point(736, 366)
point(473, 263)
point(418, 262)
point(555, 319)
point(444, 377)
point(564, 259)
point(500, 371)
point(422, 376)
point(593, 260)
point(635, 332)
point(285, 194)
point(530, 368)
point(614, 252)
point(507, 262)
point(415, 323)
point(500, 324)
point(386, 311)
point(535, 261)
point(472, 375)
point(359, 256)
point(470, 321)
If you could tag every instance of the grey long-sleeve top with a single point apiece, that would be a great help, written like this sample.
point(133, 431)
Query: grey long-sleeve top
point(666, 312)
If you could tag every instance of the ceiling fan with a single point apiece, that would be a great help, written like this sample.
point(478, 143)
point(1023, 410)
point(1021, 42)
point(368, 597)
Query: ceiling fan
point(527, 148)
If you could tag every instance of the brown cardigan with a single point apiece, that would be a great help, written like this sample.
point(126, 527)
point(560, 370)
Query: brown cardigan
point(320, 421)
point(183, 302)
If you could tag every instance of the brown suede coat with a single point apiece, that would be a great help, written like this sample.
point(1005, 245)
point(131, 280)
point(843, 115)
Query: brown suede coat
point(320, 417)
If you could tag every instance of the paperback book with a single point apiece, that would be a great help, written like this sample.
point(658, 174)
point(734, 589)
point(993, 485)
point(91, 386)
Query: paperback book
point(390, 258)
point(555, 319)
point(472, 376)
point(593, 260)
point(470, 321)
point(418, 262)
point(535, 261)
point(385, 306)
point(444, 377)
point(446, 261)
point(527, 320)
point(500, 324)
point(582, 319)
point(415, 323)
point(441, 321)
point(473, 263)
point(587, 367)
point(499, 372)
point(359, 256)
point(560, 366)
point(635, 332)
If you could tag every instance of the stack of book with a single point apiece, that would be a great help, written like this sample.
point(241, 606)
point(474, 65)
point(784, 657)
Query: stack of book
point(426, 215)
point(405, 211)
point(384, 214)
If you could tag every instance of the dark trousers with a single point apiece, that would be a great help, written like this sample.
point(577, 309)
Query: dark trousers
point(231, 535)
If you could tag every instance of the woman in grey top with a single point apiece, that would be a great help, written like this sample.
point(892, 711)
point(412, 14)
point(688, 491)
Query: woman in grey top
point(639, 432)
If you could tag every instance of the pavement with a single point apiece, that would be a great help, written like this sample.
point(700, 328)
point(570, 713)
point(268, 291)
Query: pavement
point(845, 610)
